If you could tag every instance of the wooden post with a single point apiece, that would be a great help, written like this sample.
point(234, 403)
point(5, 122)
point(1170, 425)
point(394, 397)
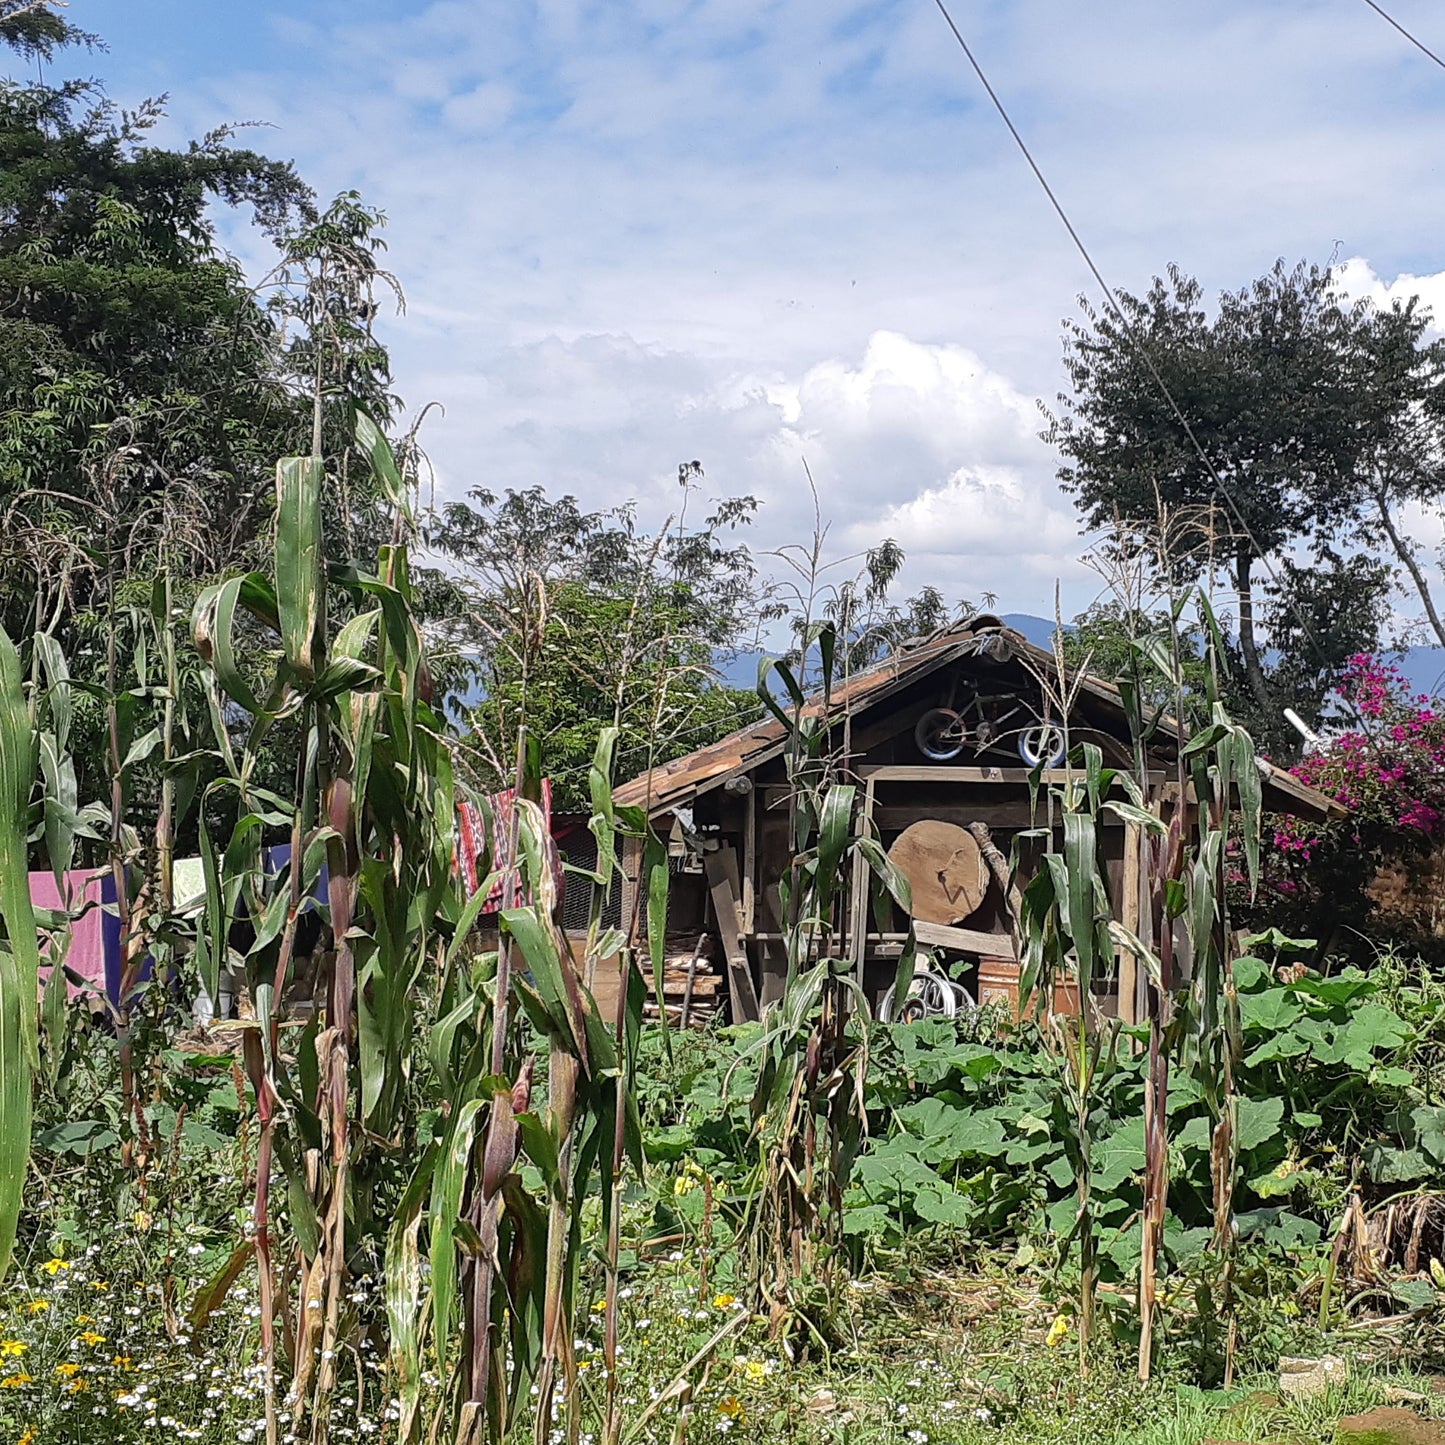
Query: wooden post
point(691, 978)
point(721, 867)
point(750, 861)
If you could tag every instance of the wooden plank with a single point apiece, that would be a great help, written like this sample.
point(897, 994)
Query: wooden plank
point(750, 860)
point(965, 940)
point(947, 773)
point(721, 867)
point(894, 818)
point(905, 719)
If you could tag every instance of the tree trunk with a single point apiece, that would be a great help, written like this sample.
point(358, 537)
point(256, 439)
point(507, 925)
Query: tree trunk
point(1253, 668)
point(1406, 553)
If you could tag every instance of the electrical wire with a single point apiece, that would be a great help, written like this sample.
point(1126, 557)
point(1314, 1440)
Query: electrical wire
point(1129, 331)
point(1414, 40)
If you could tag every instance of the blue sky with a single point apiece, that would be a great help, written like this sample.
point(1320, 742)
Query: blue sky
point(754, 232)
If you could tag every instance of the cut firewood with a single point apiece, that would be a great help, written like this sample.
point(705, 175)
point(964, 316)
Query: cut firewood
point(944, 868)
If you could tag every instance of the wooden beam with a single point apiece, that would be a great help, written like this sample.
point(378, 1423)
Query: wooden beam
point(894, 818)
point(948, 773)
point(750, 860)
point(905, 719)
point(965, 940)
point(721, 867)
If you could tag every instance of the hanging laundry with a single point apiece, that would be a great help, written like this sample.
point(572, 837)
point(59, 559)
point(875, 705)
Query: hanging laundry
point(92, 958)
point(488, 826)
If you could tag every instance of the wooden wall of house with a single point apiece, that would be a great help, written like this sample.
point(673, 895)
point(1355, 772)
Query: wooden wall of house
point(750, 819)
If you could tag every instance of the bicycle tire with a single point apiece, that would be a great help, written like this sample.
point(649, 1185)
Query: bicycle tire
point(1044, 744)
point(932, 727)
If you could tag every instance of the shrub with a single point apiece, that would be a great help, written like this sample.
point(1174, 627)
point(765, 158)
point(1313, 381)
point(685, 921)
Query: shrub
point(1389, 770)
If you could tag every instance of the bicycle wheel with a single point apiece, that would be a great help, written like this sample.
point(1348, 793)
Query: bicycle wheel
point(941, 734)
point(1042, 744)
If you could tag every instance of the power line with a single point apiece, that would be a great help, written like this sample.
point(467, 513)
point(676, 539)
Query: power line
point(1414, 40)
point(1128, 326)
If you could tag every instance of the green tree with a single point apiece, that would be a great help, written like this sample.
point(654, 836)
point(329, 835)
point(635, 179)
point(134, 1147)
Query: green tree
point(1106, 638)
point(1294, 395)
point(146, 385)
point(580, 620)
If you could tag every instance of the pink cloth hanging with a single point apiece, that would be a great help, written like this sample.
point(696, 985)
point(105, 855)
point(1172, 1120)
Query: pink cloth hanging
point(85, 958)
point(492, 822)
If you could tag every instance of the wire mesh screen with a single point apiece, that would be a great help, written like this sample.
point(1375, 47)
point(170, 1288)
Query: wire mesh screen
point(580, 850)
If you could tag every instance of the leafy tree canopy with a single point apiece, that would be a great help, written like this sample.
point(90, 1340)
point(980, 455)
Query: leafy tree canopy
point(578, 619)
point(1297, 397)
point(147, 387)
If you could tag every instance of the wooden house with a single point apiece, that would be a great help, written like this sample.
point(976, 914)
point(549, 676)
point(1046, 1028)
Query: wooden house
point(940, 738)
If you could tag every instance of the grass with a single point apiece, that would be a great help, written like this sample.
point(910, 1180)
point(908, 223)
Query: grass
point(947, 1358)
point(958, 1354)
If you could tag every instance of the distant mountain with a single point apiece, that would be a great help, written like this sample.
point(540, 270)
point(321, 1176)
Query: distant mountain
point(1038, 630)
point(1423, 667)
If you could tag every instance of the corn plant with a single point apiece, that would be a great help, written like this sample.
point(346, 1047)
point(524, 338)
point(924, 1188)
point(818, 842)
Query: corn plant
point(1214, 798)
point(809, 1107)
point(37, 779)
point(504, 1262)
point(1067, 934)
point(20, 956)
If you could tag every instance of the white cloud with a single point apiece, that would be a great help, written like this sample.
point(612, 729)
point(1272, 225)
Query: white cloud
point(750, 231)
point(1357, 277)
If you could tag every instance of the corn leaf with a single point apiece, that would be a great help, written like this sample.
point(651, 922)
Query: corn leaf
point(298, 561)
point(446, 1202)
point(20, 961)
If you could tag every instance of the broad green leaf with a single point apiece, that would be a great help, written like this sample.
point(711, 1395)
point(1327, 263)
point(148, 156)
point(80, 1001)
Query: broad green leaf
point(1272, 1011)
point(945, 1206)
point(1259, 1121)
point(20, 962)
point(1119, 1156)
point(299, 481)
point(1429, 1122)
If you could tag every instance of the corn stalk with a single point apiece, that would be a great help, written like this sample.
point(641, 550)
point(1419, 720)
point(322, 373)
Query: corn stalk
point(501, 1304)
point(809, 1106)
point(1067, 936)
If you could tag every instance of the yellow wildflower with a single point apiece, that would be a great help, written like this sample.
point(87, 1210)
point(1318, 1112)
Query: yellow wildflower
point(12, 1349)
point(14, 1382)
point(599, 1305)
point(85, 1319)
point(753, 1369)
point(28, 1438)
point(78, 1384)
point(122, 1362)
point(91, 1338)
point(52, 1267)
point(724, 1301)
point(99, 1284)
point(37, 1306)
point(68, 1369)
point(731, 1407)
point(1057, 1331)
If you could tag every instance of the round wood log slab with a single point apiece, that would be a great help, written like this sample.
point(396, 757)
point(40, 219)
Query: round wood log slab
point(944, 868)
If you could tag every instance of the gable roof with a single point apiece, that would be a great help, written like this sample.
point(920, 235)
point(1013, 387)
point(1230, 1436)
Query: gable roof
point(677, 783)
